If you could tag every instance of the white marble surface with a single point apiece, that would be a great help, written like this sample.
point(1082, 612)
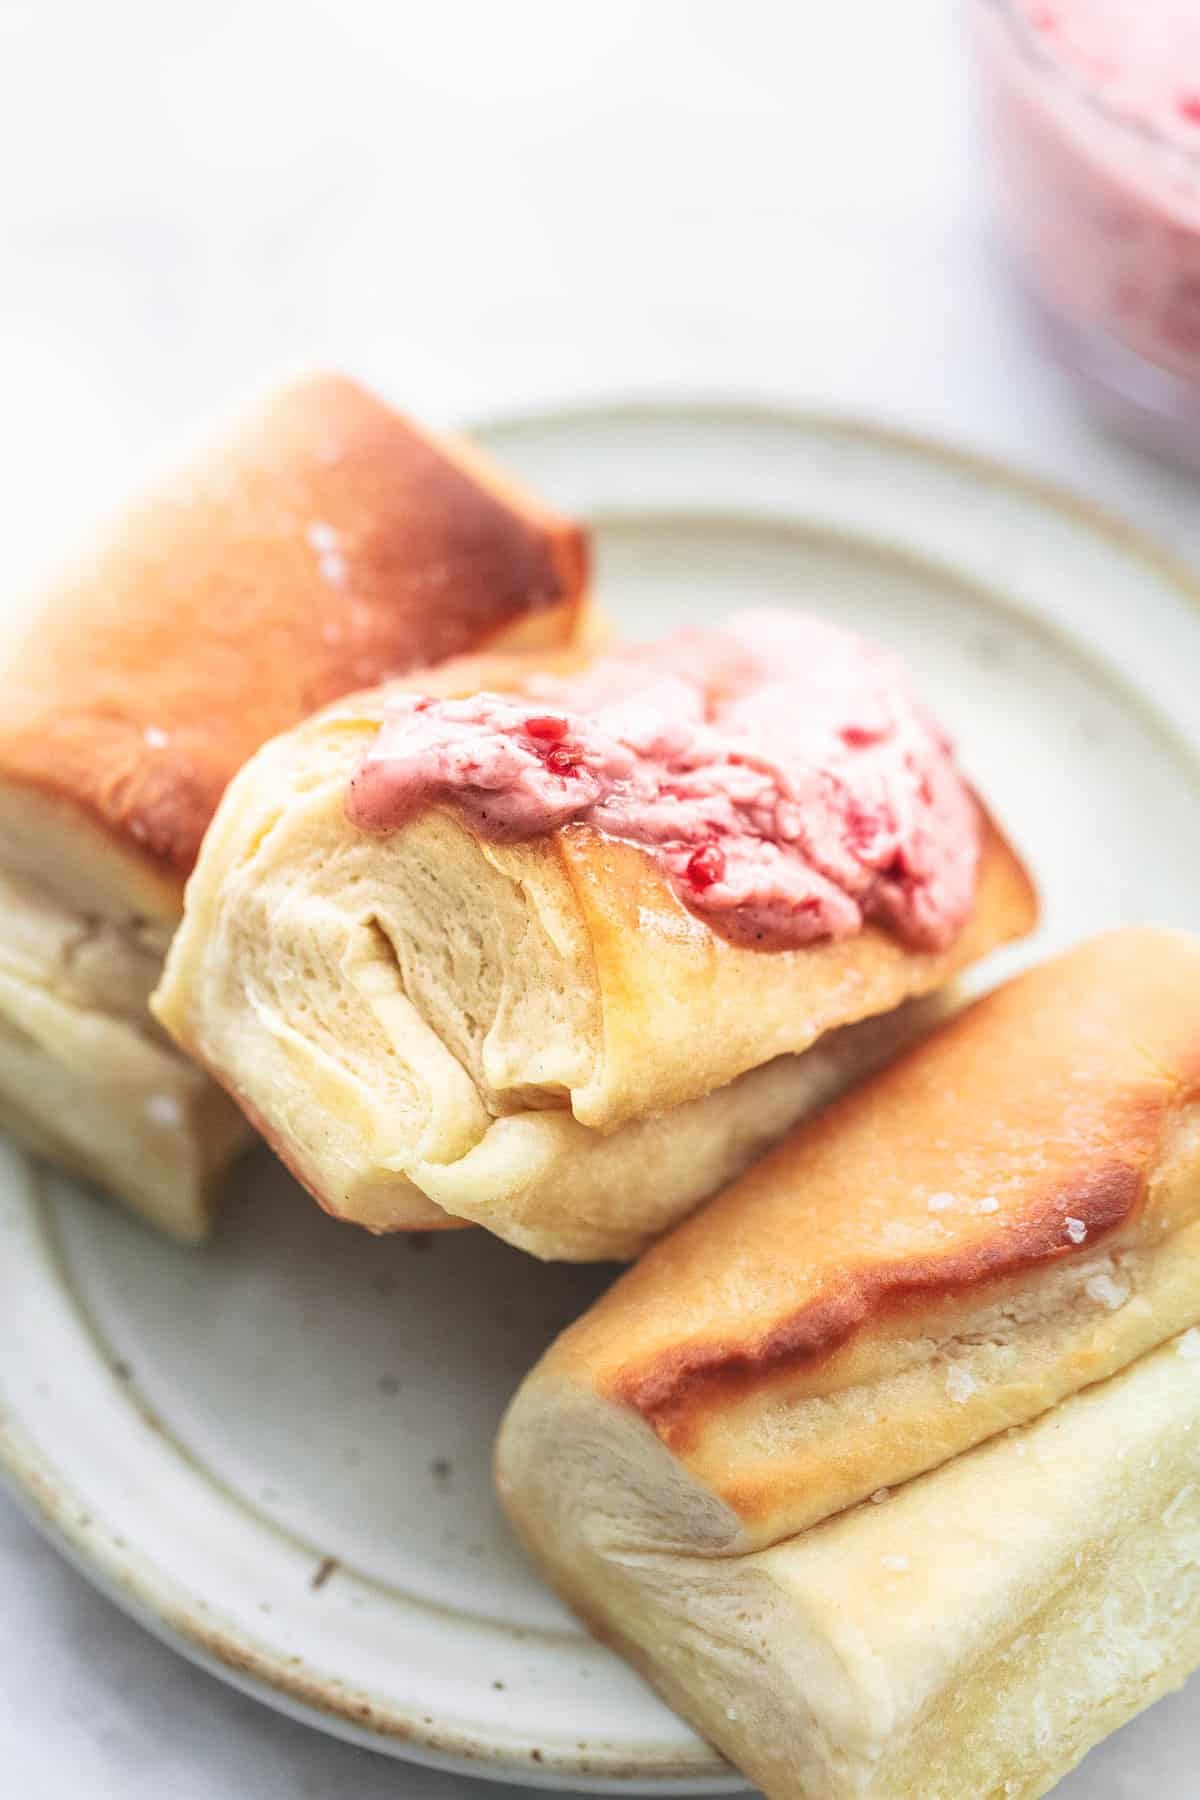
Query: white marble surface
point(479, 207)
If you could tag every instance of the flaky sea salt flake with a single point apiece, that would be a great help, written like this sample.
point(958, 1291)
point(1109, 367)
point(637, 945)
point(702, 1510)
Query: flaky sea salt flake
point(1110, 1293)
point(960, 1384)
point(163, 1109)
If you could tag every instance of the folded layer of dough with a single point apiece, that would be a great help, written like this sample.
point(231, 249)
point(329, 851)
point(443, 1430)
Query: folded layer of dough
point(323, 543)
point(535, 1036)
point(84, 1080)
point(969, 1637)
point(1004, 1217)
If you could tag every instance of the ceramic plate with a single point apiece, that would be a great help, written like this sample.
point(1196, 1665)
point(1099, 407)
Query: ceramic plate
point(276, 1452)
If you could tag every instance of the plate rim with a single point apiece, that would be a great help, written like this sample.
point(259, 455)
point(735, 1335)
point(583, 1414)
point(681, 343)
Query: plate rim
point(713, 408)
point(297, 1692)
point(154, 1600)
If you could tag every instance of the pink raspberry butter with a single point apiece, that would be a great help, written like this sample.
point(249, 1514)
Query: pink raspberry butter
point(1091, 111)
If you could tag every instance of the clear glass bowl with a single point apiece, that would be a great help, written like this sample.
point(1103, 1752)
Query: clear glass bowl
point(1095, 148)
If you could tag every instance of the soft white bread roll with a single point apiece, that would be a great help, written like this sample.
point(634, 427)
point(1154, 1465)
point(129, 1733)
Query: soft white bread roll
point(431, 1027)
point(324, 542)
point(1005, 1216)
point(969, 1637)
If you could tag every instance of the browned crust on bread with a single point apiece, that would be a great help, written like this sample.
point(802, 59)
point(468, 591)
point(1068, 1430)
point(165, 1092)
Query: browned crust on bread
point(1050, 1096)
point(626, 896)
point(325, 544)
point(682, 1385)
point(660, 966)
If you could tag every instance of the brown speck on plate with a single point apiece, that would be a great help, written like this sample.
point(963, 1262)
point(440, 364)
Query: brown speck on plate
point(323, 1571)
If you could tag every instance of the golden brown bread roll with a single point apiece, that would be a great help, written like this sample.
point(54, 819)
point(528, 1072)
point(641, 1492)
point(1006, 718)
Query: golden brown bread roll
point(321, 544)
point(431, 1026)
point(1007, 1215)
point(971, 1634)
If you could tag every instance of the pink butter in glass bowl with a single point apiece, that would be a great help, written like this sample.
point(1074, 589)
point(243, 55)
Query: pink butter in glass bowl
point(1092, 109)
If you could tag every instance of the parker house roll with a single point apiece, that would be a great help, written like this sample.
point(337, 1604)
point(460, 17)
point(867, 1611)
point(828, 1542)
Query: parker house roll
point(559, 953)
point(323, 543)
point(875, 1467)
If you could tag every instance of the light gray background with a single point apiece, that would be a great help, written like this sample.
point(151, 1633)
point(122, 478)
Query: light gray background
point(478, 207)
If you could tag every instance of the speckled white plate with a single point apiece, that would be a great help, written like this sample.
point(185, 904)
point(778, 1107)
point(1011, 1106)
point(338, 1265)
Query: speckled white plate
point(276, 1452)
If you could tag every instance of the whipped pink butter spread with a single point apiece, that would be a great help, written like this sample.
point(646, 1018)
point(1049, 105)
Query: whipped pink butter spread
point(780, 771)
point(1094, 111)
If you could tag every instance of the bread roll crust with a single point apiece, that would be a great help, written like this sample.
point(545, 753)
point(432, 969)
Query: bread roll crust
point(327, 542)
point(659, 969)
